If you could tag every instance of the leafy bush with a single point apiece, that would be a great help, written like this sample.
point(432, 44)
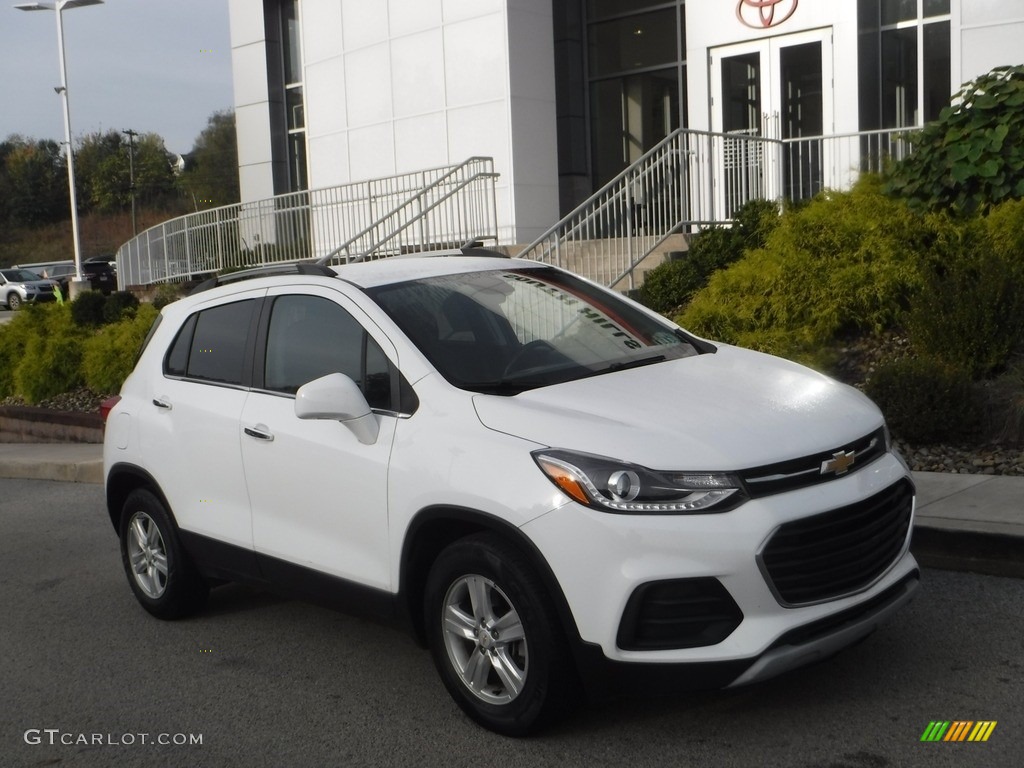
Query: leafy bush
point(119, 304)
point(167, 293)
point(29, 323)
point(925, 401)
point(970, 312)
point(672, 284)
point(1005, 405)
point(109, 355)
point(973, 155)
point(843, 261)
point(87, 309)
point(51, 358)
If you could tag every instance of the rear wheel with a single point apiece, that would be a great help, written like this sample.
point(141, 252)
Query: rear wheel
point(494, 637)
point(159, 571)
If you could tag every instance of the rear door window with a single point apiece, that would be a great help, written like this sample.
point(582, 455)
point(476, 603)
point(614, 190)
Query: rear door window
point(211, 345)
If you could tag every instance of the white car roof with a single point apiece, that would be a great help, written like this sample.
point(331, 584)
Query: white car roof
point(371, 274)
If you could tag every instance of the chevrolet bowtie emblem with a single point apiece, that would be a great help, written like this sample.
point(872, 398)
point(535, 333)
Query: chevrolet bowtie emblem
point(840, 463)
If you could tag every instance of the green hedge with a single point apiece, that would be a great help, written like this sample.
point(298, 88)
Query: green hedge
point(926, 401)
point(843, 261)
point(970, 312)
point(671, 285)
point(46, 350)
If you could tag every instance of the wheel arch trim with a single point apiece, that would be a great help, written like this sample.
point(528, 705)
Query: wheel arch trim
point(121, 480)
point(435, 527)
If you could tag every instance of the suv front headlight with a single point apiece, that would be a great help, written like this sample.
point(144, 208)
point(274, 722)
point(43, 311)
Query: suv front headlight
point(616, 486)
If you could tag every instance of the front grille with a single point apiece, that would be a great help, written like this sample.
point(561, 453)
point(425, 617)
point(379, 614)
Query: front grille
point(808, 470)
point(839, 552)
point(680, 613)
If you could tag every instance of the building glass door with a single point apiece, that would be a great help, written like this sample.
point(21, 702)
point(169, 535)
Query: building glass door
point(764, 91)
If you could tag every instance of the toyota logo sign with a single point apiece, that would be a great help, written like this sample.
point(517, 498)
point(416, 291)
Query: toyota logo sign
point(762, 14)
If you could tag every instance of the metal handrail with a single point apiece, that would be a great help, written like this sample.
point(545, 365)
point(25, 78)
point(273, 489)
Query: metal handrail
point(404, 206)
point(692, 179)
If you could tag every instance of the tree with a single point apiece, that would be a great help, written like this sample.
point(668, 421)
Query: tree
point(104, 171)
point(210, 178)
point(33, 182)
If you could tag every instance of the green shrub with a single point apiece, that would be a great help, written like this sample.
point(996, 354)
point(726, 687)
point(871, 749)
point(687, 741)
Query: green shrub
point(119, 304)
point(51, 358)
point(755, 220)
point(970, 312)
point(844, 261)
point(671, 285)
point(27, 324)
point(109, 355)
point(1005, 406)
point(926, 401)
point(973, 155)
point(167, 293)
point(87, 309)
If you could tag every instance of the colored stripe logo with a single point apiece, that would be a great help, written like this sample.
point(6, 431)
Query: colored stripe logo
point(958, 730)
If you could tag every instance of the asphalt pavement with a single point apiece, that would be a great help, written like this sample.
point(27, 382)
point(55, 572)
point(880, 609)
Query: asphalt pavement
point(962, 522)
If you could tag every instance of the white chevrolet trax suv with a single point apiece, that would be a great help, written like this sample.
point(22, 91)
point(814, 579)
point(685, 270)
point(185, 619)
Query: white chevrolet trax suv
point(554, 489)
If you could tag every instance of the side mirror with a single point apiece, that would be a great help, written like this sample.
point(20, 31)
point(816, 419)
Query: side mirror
point(336, 397)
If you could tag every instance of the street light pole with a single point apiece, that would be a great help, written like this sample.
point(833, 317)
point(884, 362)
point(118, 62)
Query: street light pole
point(59, 7)
point(131, 173)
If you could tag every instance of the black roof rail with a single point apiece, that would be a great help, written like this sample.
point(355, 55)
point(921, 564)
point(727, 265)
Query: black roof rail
point(269, 270)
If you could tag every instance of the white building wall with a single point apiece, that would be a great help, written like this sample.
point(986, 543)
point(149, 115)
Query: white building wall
point(252, 107)
point(991, 35)
point(393, 86)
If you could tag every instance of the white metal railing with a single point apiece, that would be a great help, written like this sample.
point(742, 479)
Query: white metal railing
point(452, 203)
point(458, 206)
point(692, 179)
point(811, 164)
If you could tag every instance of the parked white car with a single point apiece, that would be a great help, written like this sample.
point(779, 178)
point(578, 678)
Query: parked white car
point(22, 286)
point(554, 489)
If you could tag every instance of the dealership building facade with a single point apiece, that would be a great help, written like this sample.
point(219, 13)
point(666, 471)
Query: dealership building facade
point(565, 94)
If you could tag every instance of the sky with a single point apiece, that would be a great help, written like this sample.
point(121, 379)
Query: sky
point(152, 66)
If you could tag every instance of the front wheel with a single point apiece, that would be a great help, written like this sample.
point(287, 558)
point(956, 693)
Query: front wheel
point(13, 302)
point(159, 571)
point(494, 637)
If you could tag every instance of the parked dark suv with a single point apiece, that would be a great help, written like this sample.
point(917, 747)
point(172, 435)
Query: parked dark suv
point(97, 271)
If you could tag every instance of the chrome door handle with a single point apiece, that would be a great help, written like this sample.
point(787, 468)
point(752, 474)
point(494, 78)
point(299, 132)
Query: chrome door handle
point(260, 432)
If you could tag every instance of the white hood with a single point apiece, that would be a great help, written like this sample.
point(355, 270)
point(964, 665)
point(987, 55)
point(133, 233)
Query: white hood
point(733, 409)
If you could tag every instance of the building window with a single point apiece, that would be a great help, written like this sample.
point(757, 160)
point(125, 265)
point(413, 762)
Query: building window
point(904, 68)
point(636, 73)
point(294, 103)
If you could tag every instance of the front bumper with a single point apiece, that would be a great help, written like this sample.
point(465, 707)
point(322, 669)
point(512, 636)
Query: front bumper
point(605, 678)
point(602, 559)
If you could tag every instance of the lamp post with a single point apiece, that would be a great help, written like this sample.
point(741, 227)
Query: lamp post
point(59, 7)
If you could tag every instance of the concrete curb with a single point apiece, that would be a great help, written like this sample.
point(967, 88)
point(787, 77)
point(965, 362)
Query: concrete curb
point(66, 462)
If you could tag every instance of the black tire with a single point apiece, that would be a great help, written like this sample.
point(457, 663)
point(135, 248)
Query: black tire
point(13, 302)
point(488, 617)
point(160, 573)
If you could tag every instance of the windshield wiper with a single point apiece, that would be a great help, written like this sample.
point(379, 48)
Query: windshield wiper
point(637, 363)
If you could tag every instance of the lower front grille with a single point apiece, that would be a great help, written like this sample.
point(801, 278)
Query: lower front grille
point(839, 552)
point(681, 613)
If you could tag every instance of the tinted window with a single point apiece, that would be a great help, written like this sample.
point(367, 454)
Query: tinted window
point(211, 344)
point(310, 337)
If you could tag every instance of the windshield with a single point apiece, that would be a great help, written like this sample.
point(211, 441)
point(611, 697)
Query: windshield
point(20, 275)
point(506, 331)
